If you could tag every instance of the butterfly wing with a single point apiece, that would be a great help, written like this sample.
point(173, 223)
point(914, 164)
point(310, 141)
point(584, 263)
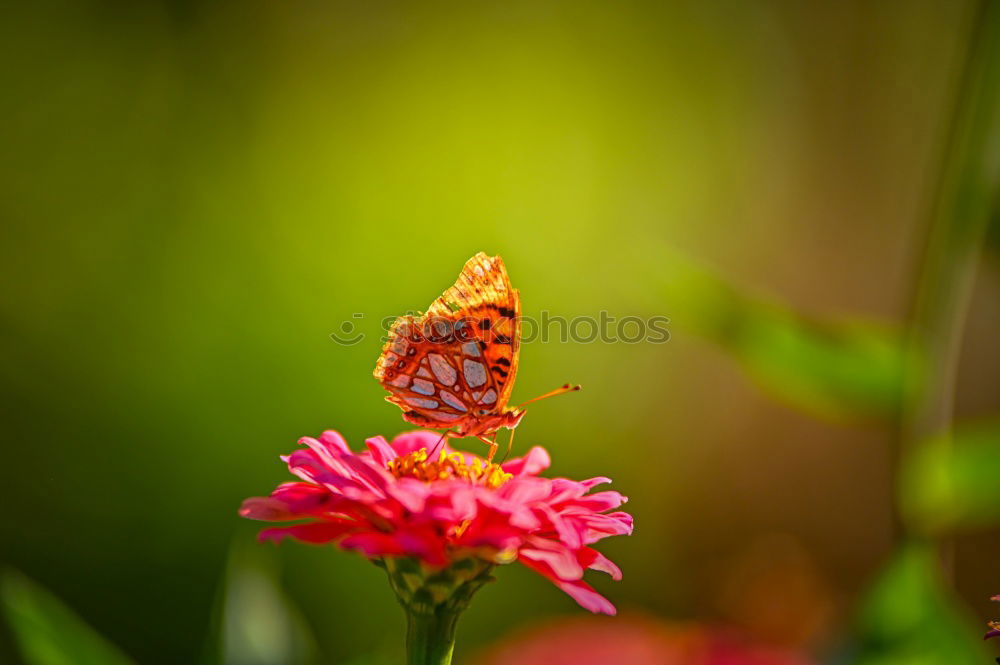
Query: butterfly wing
point(456, 364)
point(421, 376)
point(484, 296)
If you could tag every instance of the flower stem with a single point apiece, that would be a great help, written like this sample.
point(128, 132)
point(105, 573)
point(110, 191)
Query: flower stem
point(965, 199)
point(433, 599)
point(430, 636)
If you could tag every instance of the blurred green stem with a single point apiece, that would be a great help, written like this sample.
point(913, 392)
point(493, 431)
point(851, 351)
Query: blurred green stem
point(964, 200)
point(430, 636)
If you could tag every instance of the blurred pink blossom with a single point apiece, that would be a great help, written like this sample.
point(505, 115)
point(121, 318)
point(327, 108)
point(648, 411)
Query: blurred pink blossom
point(632, 640)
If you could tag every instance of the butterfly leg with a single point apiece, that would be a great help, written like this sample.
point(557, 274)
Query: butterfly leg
point(492, 443)
point(510, 444)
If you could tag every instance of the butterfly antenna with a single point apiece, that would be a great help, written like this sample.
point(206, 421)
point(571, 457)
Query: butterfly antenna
point(444, 435)
point(565, 388)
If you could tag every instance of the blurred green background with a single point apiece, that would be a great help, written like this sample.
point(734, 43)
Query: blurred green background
point(195, 195)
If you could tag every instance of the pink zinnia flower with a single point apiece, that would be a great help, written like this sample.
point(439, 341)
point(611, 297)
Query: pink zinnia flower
point(439, 525)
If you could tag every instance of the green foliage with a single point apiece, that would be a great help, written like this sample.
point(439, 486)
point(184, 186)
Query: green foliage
point(260, 625)
point(835, 369)
point(953, 482)
point(910, 618)
point(48, 632)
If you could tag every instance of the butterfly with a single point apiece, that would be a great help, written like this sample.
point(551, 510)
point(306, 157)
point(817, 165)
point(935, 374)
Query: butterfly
point(454, 366)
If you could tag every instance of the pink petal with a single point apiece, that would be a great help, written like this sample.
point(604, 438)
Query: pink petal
point(536, 461)
point(308, 499)
point(520, 491)
point(316, 533)
point(525, 520)
point(453, 505)
point(409, 492)
point(381, 451)
point(266, 509)
point(315, 467)
point(594, 482)
point(463, 503)
point(347, 487)
point(304, 464)
point(594, 560)
point(373, 544)
point(497, 536)
point(559, 559)
point(408, 442)
point(320, 456)
point(328, 447)
point(334, 442)
point(423, 543)
point(587, 597)
point(517, 514)
point(578, 590)
point(564, 489)
point(374, 478)
point(296, 491)
point(600, 502)
point(599, 526)
point(570, 532)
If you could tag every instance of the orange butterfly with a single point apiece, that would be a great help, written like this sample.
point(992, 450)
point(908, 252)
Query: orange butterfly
point(454, 366)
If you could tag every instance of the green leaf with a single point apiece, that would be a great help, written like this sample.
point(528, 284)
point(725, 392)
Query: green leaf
point(911, 618)
point(48, 632)
point(836, 368)
point(953, 481)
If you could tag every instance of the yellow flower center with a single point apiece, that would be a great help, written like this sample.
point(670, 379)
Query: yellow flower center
point(416, 465)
